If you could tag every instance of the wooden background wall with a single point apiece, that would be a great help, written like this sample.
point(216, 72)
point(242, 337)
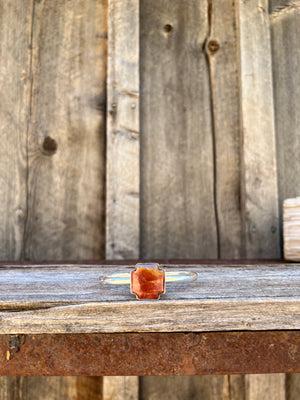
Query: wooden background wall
point(147, 134)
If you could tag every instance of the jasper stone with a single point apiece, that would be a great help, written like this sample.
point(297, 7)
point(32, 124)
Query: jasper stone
point(147, 281)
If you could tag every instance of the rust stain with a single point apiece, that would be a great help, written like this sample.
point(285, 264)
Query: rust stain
point(154, 354)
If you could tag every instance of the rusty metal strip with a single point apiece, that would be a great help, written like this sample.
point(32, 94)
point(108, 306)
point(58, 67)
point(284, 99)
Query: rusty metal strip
point(150, 353)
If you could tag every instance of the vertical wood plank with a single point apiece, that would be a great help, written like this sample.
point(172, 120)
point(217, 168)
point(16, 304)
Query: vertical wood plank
point(123, 154)
point(259, 169)
point(270, 386)
point(222, 56)
point(54, 388)
point(66, 137)
point(178, 201)
point(177, 185)
point(123, 143)
point(54, 148)
point(120, 388)
point(292, 386)
point(15, 83)
point(221, 49)
point(286, 56)
point(260, 196)
point(285, 22)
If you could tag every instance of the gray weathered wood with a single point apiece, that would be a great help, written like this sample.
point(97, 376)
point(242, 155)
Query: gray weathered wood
point(177, 161)
point(285, 22)
point(15, 83)
point(123, 153)
point(177, 199)
point(222, 56)
point(165, 316)
point(259, 169)
point(123, 143)
point(38, 286)
point(286, 59)
point(65, 184)
point(293, 386)
point(53, 61)
point(50, 388)
point(120, 388)
point(260, 386)
point(202, 387)
point(258, 133)
point(221, 48)
point(73, 299)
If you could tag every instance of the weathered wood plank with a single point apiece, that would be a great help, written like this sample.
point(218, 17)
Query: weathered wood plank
point(120, 388)
point(222, 56)
point(258, 133)
point(291, 229)
point(73, 299)
point(177, 161)
point(165, 316)
point(15, 83)
point(285, 20)
point(66, 135)
point(123, 144)
point(204, 387)
point(221, 49)
point(40, 286)
point(123, 153)
point(50, 388)
point(257, 386)
point(286, 58)
point(259, 169)
point(293, 386)
point(56, 152)
point(16, 87)
point(177, 203)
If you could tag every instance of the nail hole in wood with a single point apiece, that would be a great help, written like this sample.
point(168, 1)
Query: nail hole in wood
point(213, 46)
point(168, 28)
point(49, 146)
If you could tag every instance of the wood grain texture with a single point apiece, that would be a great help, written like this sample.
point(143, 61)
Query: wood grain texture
point(271, 386)
point(177, 184)
point(259, 171)
point(53, 58)
point(292, 386)
point(259, 167)
point(286, 57)
point(56, 388)
point(123, 153)
point(221, 49)
point(204, 387)
point(120, 388)
point(291, 229)
point(223, 298)
point(26, 388)
point(177, 162)
point(66, 134)
point(15, 83)
point(123, 144)
point(34, 286)
point(222, 57)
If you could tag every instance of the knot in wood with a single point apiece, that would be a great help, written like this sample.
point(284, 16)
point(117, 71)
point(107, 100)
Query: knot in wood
point(213, 46)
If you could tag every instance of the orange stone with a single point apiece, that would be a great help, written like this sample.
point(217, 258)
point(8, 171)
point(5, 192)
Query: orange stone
point(147, 281)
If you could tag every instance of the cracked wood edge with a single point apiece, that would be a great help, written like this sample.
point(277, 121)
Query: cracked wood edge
point(158, 316)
